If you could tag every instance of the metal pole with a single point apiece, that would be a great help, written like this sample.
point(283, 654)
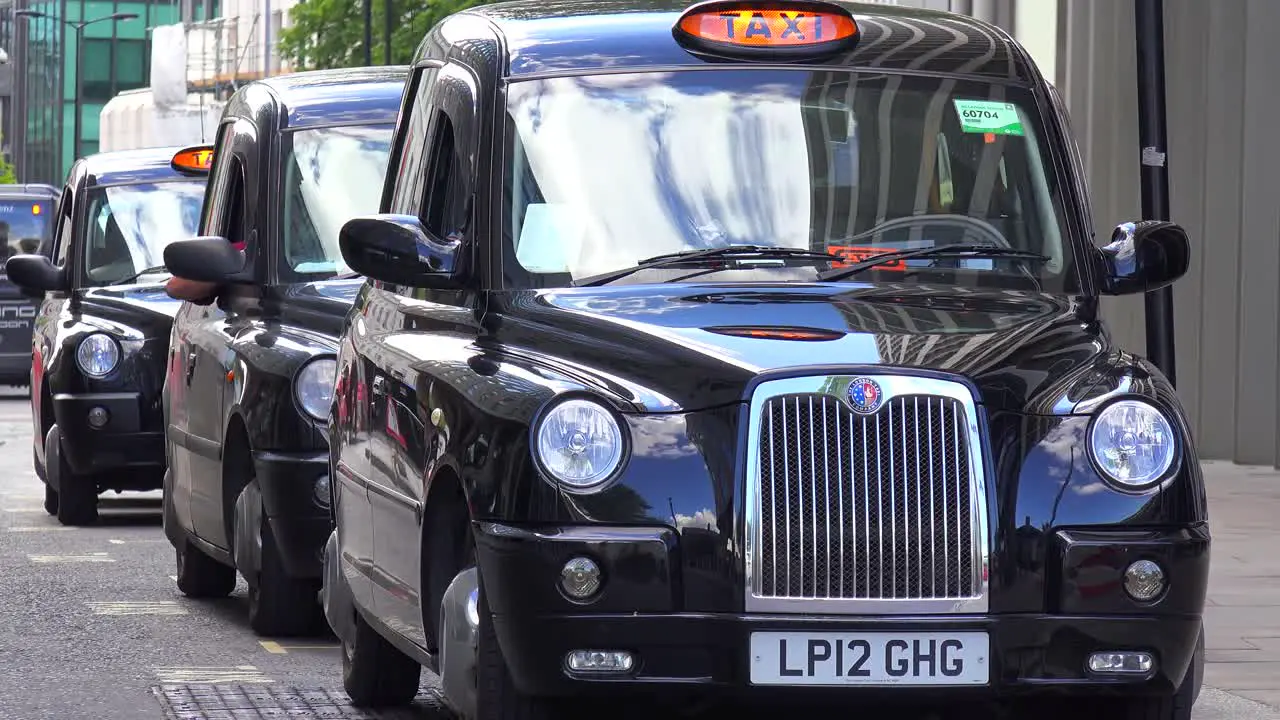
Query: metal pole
point(79, 109)
point(368, 32)
point(387, 27)
point(1149, 17)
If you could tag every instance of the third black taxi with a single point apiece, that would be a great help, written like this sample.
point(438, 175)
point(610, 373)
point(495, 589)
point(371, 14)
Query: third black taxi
point(753, 349)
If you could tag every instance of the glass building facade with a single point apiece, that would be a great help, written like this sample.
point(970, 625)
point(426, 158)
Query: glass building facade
point(117, 57)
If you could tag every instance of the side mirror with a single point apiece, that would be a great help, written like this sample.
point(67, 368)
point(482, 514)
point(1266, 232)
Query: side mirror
point(205, 259)
point(399, 250)
point(36, 275)
point(1144, 256)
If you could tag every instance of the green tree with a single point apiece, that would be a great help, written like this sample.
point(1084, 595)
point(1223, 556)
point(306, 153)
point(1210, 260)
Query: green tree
point(8, 175)
point(330, 33)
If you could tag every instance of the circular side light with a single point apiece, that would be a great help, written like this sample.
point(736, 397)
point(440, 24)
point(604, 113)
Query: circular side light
point(97, 355)
point(580, 578)
point(579, 443)
point(321, 491)
point(1144, 581)
point(1132, 443)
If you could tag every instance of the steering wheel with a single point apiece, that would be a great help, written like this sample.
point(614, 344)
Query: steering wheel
point(978, 225)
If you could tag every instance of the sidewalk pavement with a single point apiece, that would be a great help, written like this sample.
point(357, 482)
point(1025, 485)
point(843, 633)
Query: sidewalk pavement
point(1242, 620)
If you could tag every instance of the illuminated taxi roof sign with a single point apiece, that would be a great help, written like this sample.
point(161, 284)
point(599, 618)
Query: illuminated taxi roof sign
point(195, 160)
point(766, 30)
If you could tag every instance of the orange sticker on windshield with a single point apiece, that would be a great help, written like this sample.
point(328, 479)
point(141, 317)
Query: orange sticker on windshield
point(854, 254)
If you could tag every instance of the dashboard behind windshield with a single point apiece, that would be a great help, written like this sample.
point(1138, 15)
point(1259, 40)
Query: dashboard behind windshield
point(605, 171)
point(129, 226)
point(331, 175)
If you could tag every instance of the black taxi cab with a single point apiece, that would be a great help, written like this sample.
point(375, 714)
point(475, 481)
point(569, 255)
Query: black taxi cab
point(752, 350)
point(101, 335)
point(25, 228)
point(251, 375)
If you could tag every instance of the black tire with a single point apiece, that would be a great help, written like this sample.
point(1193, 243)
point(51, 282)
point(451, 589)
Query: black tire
point(374, 673)
point(200, 576)
point(497, 697)
point(280, 605)
point(77, 494)
point(50, 500)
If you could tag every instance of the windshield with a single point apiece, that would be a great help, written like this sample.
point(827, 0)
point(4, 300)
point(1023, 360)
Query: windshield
point(130, 225)
point(605, 171)
point(331, 175)
point(24, 224)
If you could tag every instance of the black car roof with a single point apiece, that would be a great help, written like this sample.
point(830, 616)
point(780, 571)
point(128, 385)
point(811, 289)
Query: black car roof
point(126, 166)
point(549, 36)
point(345, 96)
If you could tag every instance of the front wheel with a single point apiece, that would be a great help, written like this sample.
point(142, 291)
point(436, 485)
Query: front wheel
point(50, 500)
point(77, 495)
point(497, 697)
point(281, 605)
point(200, 576)
point(374, 673)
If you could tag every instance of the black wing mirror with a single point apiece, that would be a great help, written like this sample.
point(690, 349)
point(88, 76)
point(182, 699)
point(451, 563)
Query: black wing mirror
point(36, 275)
point(1144, 256)
point(205, 259)
point(397, 249)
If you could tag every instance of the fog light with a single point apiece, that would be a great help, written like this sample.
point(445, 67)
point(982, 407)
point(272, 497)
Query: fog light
point(1121, 663)
point(1144, 581)
point(600, 661)
point(580, 578)
point(322, 491)
point(98, 416)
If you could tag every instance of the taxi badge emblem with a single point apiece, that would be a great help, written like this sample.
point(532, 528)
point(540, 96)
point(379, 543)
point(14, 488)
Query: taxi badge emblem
point(865, 395)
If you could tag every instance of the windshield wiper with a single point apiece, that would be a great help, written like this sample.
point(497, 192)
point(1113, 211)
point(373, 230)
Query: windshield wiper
point(973, 251)
point(729, 251)
point(148, 271)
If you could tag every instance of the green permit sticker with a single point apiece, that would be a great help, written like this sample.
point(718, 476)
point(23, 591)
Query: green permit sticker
point(986, 116)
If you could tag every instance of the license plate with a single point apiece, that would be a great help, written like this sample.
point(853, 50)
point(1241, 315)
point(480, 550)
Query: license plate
point(920, 658)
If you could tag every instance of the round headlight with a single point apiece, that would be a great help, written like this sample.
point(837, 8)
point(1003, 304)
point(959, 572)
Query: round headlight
point(1132, 443)
point(97, 355)
point(314, 387)
point(579, 443)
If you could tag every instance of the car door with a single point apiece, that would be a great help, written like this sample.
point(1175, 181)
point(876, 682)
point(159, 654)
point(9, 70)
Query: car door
point(209, 356)
point(45, 325)
point(398, 488)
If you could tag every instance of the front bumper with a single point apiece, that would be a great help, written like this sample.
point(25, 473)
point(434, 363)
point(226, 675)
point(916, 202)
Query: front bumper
point(687, 652)
point(121, 444)
point(300, 522)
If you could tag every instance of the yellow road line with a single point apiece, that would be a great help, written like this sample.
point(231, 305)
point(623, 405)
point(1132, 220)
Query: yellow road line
point(210, 675)
point(91, 557)
point(130, 607)
point(276, 648)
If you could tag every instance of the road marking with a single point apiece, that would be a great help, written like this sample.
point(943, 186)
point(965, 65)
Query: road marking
point(118, 541)
point(91, 557)
point(173, 578)
point(130, 607)
point(210, 675)
point(276, 648)
point(38, 528)
point(114, 541)
point(25, 510)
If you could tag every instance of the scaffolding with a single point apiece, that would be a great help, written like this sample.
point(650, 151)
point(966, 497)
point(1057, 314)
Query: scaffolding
point(224, 53)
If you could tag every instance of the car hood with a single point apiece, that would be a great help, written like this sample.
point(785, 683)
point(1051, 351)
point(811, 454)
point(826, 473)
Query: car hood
point(142, 306)
point(689, 347)
point(320, 306)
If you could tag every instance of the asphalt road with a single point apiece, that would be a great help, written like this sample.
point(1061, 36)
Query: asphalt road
point(92, 626)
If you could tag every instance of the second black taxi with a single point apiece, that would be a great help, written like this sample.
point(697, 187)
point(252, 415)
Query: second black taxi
point(753, 350)
point(251, 378)
point(101, 333)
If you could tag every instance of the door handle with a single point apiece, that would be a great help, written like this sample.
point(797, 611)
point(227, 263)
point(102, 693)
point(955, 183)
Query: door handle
point(379, 385)
point(191, 367)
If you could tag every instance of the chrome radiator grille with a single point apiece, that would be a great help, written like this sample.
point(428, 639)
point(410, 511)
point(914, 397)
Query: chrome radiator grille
point(880, 508)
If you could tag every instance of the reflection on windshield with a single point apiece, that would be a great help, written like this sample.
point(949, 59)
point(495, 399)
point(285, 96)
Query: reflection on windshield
point(605, 171)
point(24, 223)
point(332, 175)
point(130, 225)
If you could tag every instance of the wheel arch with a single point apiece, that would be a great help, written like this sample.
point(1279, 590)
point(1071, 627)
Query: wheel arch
point(237, 467)
point(444, 545)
